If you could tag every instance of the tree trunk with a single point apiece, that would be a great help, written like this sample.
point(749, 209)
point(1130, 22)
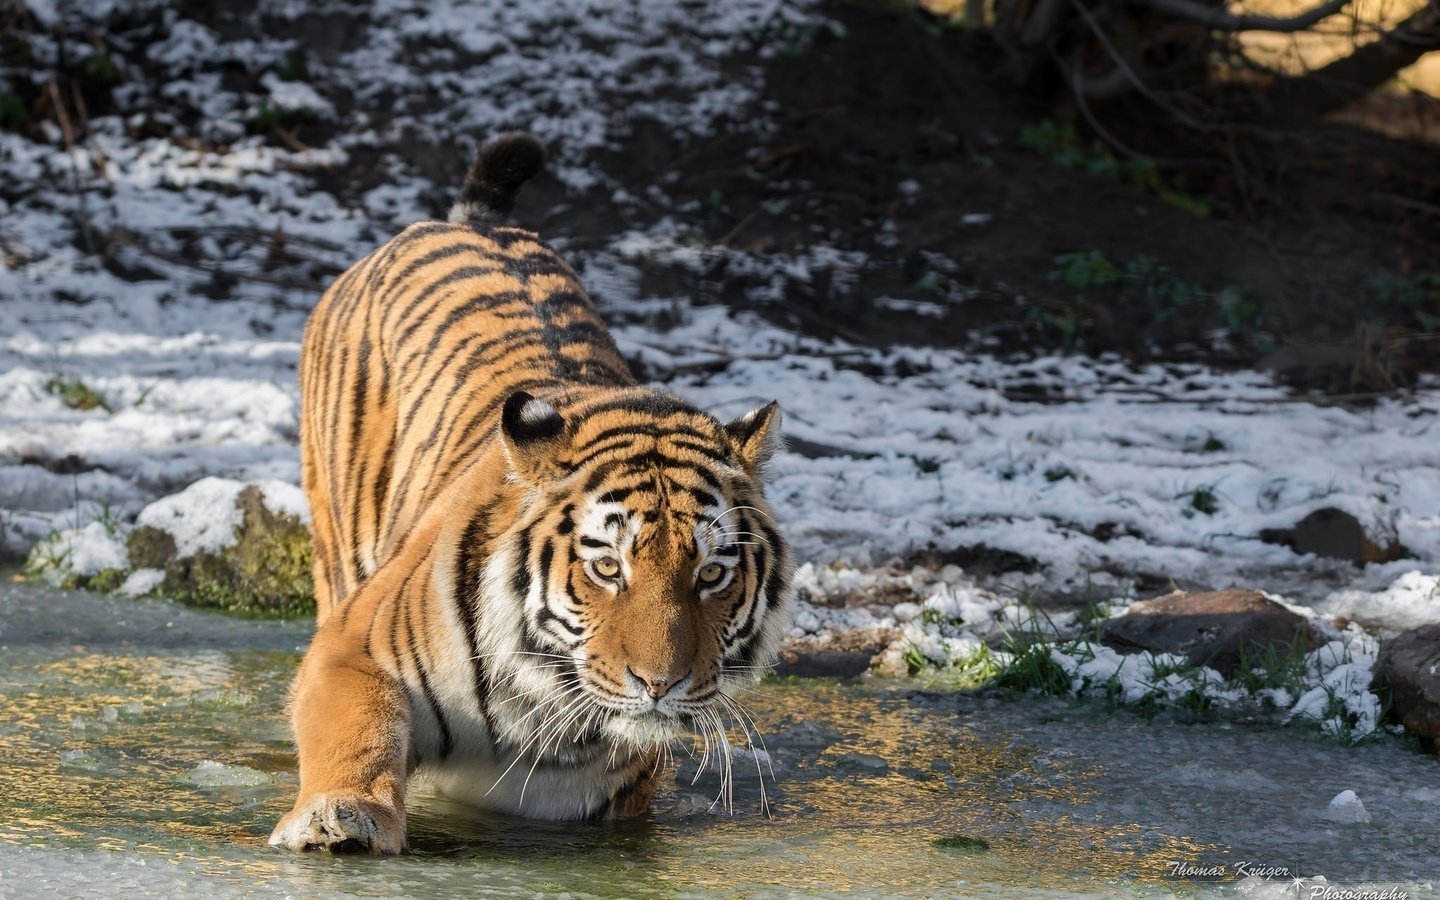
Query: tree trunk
point(1349, 78)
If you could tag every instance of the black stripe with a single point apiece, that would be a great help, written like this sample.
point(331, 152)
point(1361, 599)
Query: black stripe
point(626, 791)
point(547, 556)
point(468, 574)
point(652, 403)
point(648, 460)
point(615, 495)
point(446, 741)
point(415, 265)
point(461, 456)
point(520, 578)
point(547, 615)
point(357, 426)
point(706, 451)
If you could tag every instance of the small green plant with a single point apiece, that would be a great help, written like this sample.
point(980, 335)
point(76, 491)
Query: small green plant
point(1202, 499)
point(13, 112)
point(75, 393)
point(961, 842)
point(1032, 669)
point(977, 669)
point(293, 67)
point(98, 72)
point(1058, 473)
point(1239, 313)
point(1062, 145)
point(1212, 444)
point(1418, 295)
point(915, 661)
point(1270, 667)
point(1084, 270)
point(270, 117)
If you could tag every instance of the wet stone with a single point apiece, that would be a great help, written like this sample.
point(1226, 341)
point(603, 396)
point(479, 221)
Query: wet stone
point(801, 663)
point(1407, 675)
point(862, 762)
point(1216, 628)
point(1335, 534)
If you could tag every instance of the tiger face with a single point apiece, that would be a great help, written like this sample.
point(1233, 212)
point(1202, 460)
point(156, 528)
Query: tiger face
point(647, 573)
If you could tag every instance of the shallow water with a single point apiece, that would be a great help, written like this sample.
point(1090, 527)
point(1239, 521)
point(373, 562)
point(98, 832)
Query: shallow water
point(144, 752)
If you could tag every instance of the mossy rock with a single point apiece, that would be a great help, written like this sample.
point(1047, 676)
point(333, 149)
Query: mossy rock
point(265, 572)
point(150, 547)
point(106, 581)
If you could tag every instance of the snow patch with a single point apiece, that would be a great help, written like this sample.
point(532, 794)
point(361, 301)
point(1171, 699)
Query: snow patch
point(205, 515)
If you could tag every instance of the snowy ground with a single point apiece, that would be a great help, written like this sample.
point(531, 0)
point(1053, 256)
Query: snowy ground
point(221, 237)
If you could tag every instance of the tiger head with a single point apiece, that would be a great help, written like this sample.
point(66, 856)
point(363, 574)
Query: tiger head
point(645, 571)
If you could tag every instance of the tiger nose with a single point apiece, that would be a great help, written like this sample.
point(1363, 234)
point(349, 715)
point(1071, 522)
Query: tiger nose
point(655, 685)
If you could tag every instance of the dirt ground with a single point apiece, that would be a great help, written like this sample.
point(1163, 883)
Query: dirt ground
point(987, 221)
point(971, 213)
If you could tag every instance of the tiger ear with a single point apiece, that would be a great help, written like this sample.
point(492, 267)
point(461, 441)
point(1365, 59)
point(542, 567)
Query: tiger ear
point(757, 436)
point(532, 431)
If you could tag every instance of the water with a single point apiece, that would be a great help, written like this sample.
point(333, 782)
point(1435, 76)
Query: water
point(144, 753)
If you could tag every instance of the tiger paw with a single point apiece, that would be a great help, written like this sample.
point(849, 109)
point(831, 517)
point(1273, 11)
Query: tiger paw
point(341, 823)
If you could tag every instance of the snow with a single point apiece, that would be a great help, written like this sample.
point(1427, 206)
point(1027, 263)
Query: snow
point(1092, 468)
point(205, 515)
point(1411, 600)
point(1347, 809)
point(141, 582)
point(84, 551)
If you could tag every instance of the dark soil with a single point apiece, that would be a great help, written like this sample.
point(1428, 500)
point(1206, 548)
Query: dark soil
point(1310, 250)
point(979, 215)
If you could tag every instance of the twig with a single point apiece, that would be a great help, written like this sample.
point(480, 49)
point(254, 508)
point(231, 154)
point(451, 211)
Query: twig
point(68, 130)
point(1429, 209)
point(1220, 20)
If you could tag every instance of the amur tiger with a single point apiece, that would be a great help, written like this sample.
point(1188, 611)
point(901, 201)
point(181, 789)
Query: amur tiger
point(531, 572)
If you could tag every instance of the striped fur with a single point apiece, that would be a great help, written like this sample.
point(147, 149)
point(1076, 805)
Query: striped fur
point(531, 572)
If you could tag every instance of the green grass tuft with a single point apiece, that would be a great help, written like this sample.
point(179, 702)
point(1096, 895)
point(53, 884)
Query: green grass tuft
point(75, 393)
point(962, 842)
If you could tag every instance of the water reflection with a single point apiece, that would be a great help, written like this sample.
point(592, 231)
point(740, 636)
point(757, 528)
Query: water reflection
point(107, 747)
point(183, 758)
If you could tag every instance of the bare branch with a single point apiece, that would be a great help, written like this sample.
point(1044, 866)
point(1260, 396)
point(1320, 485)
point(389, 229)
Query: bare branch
point(1220, 20)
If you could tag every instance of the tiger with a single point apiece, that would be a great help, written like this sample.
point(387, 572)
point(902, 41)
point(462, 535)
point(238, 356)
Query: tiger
point(531, 572)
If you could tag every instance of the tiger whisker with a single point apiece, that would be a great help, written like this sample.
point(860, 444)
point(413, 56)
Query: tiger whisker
point(522, 653)
point(737, 509)
point(726, 771)
point(750, 740)
point(542, 731)
point(559, 731)
point(742, 713)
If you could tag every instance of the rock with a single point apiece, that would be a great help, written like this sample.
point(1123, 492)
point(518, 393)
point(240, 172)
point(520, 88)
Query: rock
point(91, 557)
point(1214, 629)
point(1407, 678)
point(229, 545)
point(1336, 534)
point(803, 663)
point(1347, 809)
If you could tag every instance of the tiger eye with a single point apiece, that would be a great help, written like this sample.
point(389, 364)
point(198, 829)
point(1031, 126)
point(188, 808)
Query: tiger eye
point(711, 573)
point(607, 567)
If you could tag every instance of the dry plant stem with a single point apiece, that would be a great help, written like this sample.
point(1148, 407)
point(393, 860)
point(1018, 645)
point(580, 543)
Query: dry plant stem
point(68, 130)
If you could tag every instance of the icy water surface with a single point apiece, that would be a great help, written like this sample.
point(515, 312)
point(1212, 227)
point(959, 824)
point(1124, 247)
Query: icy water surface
point(144, 753)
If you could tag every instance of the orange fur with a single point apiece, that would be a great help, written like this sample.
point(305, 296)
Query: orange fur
point(476, 453)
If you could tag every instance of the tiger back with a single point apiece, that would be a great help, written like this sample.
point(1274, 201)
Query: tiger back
point(530, 571)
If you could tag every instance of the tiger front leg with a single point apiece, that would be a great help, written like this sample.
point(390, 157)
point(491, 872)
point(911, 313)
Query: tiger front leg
point(352, 730)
